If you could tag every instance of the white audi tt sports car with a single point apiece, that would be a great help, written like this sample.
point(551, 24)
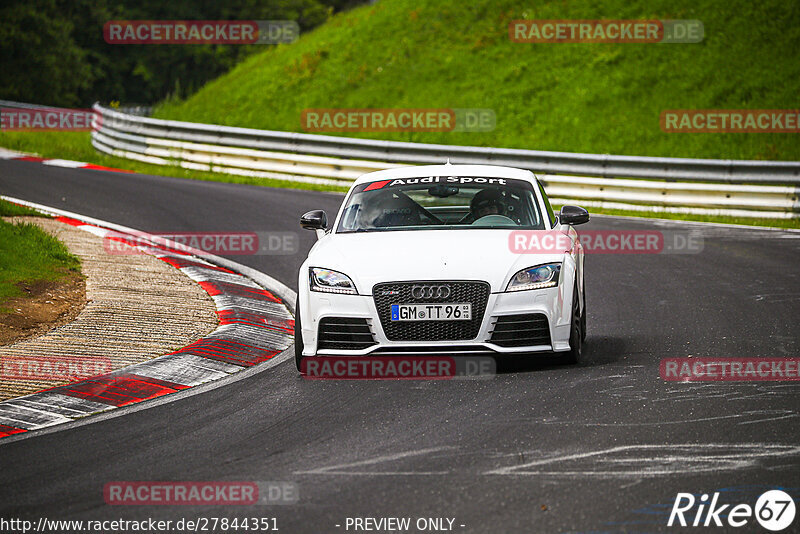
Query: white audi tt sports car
point(419, 260)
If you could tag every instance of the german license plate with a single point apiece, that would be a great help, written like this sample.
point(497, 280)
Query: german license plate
point(432, 312)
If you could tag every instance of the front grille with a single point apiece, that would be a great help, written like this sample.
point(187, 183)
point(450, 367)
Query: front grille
point(521, 330)
point(449, 349)
point(344, 333)
point(476, 293)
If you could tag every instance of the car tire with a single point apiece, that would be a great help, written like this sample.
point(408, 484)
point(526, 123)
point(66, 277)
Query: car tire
point(573, 356)
point(298, 338)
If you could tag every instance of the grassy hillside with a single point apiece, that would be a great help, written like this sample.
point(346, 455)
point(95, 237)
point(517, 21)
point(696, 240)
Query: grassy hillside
point(581, 97)
point(28, 254)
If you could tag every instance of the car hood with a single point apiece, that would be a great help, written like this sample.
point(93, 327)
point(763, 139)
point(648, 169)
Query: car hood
point(373, 257)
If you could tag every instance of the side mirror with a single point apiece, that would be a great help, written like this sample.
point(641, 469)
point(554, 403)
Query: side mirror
point(573, 215)
point(314, 220)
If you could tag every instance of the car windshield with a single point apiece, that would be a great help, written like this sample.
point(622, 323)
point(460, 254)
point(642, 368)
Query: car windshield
point(446, 202)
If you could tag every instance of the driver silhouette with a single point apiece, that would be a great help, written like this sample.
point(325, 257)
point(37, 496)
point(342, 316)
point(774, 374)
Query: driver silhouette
point(487, 202)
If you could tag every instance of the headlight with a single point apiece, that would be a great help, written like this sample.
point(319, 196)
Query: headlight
point(330, 281)
point(537, 277)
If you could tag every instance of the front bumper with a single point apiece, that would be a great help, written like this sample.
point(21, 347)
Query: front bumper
point(549, 302)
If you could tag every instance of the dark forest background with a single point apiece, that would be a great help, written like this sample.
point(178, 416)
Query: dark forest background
point(52, 51)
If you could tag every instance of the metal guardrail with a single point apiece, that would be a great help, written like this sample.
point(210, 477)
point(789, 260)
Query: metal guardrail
point(20, 105)
point(737, 188)
point(133, 109)
point(394, 151)
point(677, 185)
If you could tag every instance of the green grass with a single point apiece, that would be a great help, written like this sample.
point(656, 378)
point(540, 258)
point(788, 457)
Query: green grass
point(578, 97)
point(7, 209)
point(29, 254)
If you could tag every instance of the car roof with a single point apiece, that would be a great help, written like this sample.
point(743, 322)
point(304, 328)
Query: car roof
point(421, 171)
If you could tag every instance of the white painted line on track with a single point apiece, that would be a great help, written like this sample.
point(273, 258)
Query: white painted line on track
point(652, 460)
point(341, 469)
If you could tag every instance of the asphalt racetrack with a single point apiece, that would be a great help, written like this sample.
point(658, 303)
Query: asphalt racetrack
point(604, 446)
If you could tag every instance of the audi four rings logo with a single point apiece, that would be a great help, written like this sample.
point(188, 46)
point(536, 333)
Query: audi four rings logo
point(430, 292)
